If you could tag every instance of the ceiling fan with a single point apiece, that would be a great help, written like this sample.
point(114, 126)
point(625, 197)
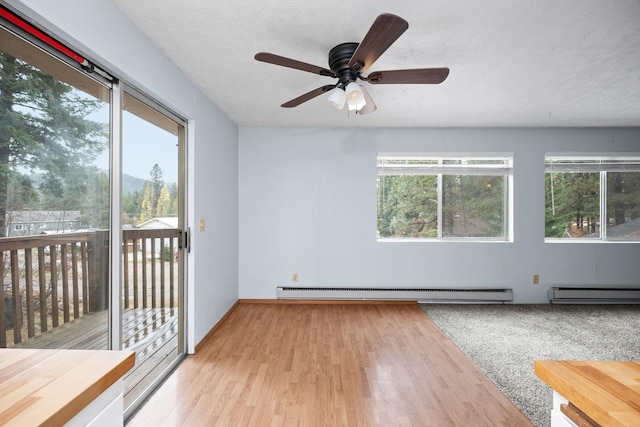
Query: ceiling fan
point(347, 62)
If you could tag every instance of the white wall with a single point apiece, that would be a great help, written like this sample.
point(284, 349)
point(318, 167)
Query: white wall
point(308, 205)
point(99, 31)
point(307, 196)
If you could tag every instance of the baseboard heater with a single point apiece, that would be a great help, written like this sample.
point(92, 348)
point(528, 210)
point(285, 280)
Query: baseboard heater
point(594, 295)
point(398, 294)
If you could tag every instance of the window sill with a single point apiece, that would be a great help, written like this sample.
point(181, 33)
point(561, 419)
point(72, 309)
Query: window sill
point(448, 240)
point(588, 241)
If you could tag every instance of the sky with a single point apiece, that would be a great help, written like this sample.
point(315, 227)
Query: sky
point(145, 144)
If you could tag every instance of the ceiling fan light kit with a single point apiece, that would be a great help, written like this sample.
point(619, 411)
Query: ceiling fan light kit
point(337, 98)
point(354, 94)
point(348, 62)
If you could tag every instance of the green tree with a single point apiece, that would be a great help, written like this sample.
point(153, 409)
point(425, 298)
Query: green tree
point(156, 180)
point(95, 209)
point(43, 127)
point(407, 205)
point(572, 203)
point(623, 197)
point(21, 193)
point(132, 205)
point(473, 205)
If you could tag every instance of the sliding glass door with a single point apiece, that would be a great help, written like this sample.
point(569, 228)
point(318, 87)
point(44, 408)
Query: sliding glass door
point(91, 214)
point(152, 218)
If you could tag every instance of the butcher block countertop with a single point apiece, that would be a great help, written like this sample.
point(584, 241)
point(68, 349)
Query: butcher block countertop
point(607, 392)
point(49, 387)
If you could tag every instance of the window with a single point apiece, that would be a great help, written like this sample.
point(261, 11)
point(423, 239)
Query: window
point(583, 193)
point(443, 196)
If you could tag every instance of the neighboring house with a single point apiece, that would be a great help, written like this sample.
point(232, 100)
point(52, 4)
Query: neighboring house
point(31, 223)
point(158, 223)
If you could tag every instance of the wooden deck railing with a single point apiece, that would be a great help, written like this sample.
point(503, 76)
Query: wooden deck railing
point(51, 280)
point(147, 254)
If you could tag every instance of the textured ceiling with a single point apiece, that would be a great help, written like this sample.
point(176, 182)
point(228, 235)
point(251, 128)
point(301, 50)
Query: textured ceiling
point(539, 63)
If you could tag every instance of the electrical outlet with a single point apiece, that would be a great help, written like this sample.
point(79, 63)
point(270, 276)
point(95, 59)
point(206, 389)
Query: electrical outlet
point(294, 277)
point(536, 279)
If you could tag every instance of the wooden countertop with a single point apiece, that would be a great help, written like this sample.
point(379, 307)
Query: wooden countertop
point(50, 387)
point(607, 392)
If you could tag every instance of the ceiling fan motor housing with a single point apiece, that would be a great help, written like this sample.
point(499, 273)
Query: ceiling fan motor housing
point(339, 58)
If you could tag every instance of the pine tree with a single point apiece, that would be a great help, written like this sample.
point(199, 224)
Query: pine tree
point(44, 127)
point(156, 180)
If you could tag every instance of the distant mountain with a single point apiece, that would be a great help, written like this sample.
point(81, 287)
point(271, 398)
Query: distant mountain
point(131, 184)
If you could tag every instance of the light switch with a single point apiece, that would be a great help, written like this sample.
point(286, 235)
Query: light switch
point(201, 225)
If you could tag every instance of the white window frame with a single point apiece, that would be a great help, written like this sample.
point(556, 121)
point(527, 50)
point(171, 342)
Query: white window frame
point(439, 168)
point(601, 163)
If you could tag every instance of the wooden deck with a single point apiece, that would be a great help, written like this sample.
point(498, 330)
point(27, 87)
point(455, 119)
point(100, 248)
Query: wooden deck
point(48, 281)
point(328, 364)
point(151, 332)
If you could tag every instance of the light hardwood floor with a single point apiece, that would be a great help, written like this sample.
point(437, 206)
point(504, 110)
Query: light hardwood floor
point(328, 365)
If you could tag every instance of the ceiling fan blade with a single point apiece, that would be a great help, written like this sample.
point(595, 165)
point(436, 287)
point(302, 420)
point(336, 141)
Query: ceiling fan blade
point(413, 76)
point(383, 33)
point(370, 106)
point(307, 96)
point(292, 63)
